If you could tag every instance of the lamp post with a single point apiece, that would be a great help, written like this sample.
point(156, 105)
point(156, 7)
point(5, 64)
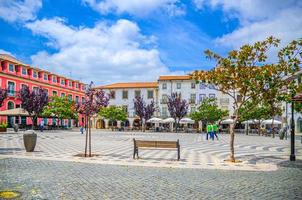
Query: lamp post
point(292, 134)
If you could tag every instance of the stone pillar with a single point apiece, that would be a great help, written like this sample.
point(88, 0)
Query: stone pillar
point(119, 124)
point(106, 123)
point(200, 126)
point(131, 120)
point(171, 127)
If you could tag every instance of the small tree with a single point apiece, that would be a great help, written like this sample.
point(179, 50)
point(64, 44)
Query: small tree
point(208, 111)
point(244, 72)
point(94, 101)
point(143, 111)
point(3, 96)
point(61, 108)
point(178, 108)
point(113, 113)
point(33, 102)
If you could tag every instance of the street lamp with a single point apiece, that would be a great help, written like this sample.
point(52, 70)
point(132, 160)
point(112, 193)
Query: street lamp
point(292, 156)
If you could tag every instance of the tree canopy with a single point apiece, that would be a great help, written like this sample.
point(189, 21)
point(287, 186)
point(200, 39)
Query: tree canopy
point(208, 111)
point(61, 108)
point(113, 113)
point(3, 95)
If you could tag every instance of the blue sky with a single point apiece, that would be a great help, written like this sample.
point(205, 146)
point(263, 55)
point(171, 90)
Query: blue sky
point(133, 40)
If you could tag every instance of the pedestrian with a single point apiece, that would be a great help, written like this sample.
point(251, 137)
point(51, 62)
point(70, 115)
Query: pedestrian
point(82, 130)
point(209, 130)
point(215, 129)
point(42, 125)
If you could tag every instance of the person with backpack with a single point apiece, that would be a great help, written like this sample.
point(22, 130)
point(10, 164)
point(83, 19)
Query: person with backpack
point(209, 131)
point(215, 129)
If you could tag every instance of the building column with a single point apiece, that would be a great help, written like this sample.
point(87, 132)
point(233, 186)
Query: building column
point(119, 124)
point(200, 126)
point(131, 120)
point(106, 123)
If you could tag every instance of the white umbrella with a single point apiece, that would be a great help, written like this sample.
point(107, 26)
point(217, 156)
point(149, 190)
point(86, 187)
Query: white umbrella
point(251, 121)
point(227, 121)
point(154, 120)
point(168, 120)
point(270, 121)
point(187, 121)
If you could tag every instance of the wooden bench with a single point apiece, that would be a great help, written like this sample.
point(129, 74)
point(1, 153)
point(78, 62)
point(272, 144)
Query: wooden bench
point(147, 144)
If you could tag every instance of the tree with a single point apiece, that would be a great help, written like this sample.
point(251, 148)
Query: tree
point(113, 113)
point(3, 95)
point(33, 102)
point(208, 111)
point(143, 111)
point(94, 101)
point(257, 113)
point(178, 108)
point(244, 72)
point(61, 108)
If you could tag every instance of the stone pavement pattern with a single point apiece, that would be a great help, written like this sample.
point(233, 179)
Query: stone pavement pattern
point(45, 179)
point(257, 152)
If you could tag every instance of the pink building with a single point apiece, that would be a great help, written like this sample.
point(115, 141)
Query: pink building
point(14, 74)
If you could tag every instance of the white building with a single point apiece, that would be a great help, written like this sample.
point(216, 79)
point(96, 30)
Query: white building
point(123, 94)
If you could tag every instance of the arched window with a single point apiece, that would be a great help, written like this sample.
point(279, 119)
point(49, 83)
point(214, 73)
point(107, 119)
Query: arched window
point(10, 105)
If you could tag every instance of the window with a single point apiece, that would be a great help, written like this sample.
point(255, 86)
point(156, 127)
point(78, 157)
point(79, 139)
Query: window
point(150, 94)
point(83, 99)
point(35, 74)
point(70, 97)
point(11, 89)
point(62, 94)
point(137, 93)
point(70, 83)
point(112, 94)
point(164, 111)
point(193, 85)
point(54, 93)
point(62, 82)
point(11, 67)
point(125, 108)
point(77, 85)
point(125, 94)
point(211, 86)
point(193, 109)
point(212, 96)
point(202, 97)
point(178, 85)
point(10, 105)
point(239, 98)
point(35, 89)
point(202, 86)
point(46, 90)
point(224, 101)
point(77, 99)
point(54, 79)
point(24, 71)
point(192, 98)
point(23, 86)
point(164, 86)
point(164, 98)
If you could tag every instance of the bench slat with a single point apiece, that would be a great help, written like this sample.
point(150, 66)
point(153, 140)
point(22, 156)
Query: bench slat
point(156, 144)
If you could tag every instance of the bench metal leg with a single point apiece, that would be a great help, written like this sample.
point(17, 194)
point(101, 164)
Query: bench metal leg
point(137, 153)
point(178, 153)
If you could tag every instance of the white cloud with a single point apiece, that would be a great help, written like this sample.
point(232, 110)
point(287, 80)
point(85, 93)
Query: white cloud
point(2, 51)
point(104, 53)
point(137, 7)
point(259, 19)
point(18, 10)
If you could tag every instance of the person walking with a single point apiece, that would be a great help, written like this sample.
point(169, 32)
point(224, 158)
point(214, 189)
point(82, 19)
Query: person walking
point(215, 129)
point(82, 130)
point(209, 130)
point(42, 125)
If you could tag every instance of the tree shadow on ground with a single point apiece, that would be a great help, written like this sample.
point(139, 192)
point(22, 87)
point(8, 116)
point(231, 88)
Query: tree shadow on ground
point(291, 164)
point(9, 150)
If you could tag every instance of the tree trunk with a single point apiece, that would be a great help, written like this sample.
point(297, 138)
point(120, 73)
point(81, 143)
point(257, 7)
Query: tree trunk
point(232, 138)
point(272, 125)
point(86, 140)
point(175, 124)
point(89, 137)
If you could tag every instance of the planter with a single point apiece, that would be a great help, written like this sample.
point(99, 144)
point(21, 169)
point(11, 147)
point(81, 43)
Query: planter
point(30, 140)
point(3, 129)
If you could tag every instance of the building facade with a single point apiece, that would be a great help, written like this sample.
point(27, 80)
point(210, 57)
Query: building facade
point(123, 95)
point(15, 74)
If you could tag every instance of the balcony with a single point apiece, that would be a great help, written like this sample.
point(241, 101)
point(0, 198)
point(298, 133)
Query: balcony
point(192, 101)
point(164, 101)
point(11, 93)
